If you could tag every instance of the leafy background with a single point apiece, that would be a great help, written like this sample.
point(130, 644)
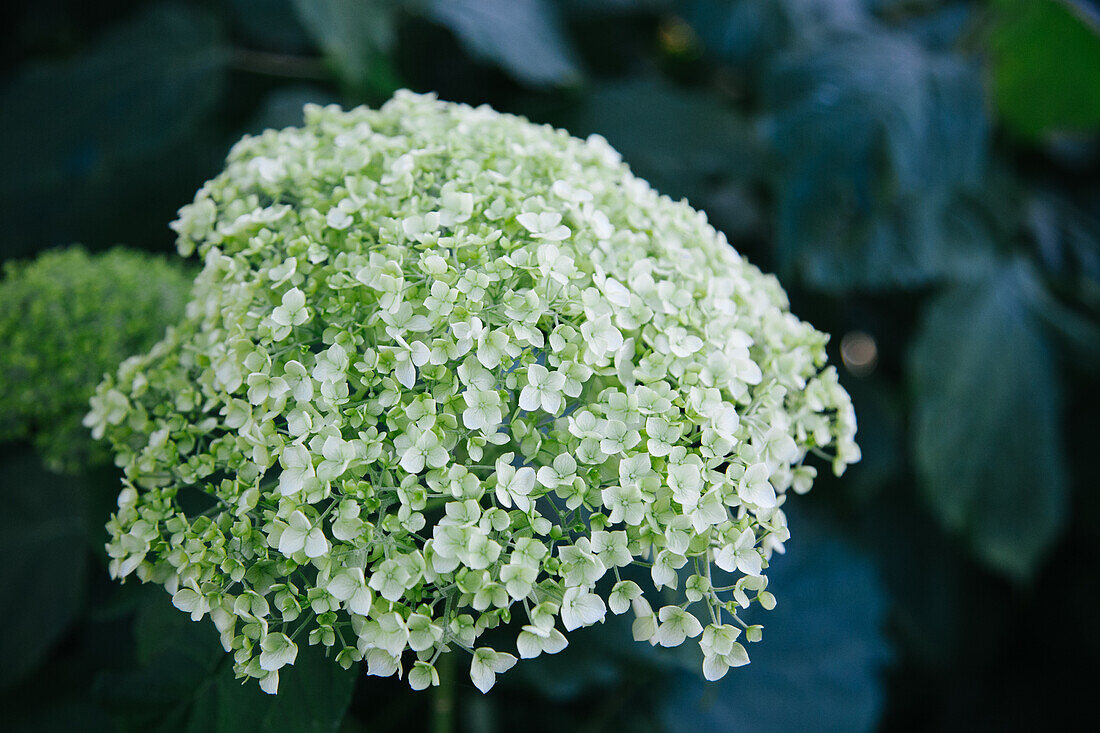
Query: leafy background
point(924, 176)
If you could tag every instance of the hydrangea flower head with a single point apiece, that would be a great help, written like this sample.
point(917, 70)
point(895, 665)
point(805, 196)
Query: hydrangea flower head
point(67, 318)
point(445, 369)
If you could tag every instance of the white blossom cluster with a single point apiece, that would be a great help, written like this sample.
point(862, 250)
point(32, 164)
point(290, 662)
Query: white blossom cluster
point(444, 367)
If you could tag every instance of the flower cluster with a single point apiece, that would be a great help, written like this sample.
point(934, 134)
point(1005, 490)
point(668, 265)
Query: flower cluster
point(444, 367)
point(68, 318)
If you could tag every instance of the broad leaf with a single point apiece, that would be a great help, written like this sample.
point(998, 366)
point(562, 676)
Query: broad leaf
point(678, 140)
point(986, 422)
point(355, 36)
point(270, 25)
point(83, 132)
point(283, 107)
point(44, 545)
point(747, 32)
point(524, 37)
point(819, 665)
point(879, 142)
point(313, 697)
point(182, 680)
point(1046, 65)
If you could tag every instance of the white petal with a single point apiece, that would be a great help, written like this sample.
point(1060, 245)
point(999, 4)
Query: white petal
point(714, 667)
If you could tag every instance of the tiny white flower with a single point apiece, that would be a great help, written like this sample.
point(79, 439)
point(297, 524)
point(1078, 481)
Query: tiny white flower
point(755, 487)
point(486, 665)
point(741, 554)
point(580, 607)
point(277, 651)
point(543, 390)
point(676, 626)
point(302, 536)
point(545, 225)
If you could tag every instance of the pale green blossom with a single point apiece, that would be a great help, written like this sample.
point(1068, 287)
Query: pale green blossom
point(68, 317)
point(486, 665)
point(445, 369)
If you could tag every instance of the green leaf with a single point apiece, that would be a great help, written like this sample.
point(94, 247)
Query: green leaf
point(183, 680)
point(43, 543)
point(355, 36)
point(270, 25)
point(879, 145)
point(747, 33)
point(881, 422)
point(819, 665)
point(313, 697)
point(283, 107)
point(1045, 57)
point(680, 141)
point(81, 132)
point(986, 422)
point(524, 37)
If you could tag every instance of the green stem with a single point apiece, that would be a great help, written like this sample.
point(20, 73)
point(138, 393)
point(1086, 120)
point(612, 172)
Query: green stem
point(443, 699)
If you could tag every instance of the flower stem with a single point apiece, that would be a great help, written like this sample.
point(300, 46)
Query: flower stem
point(443, 699)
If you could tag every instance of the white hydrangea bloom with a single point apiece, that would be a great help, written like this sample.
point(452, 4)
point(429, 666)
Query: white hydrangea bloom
point(443, 367)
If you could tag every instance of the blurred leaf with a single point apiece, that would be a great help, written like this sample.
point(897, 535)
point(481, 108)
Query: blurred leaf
point(1067, 236)
point(819, 666)
point(742, 33)
point(680, 141)
point(749, 32)
point(1068, 240)
point(72, 125)
point(313, 697)
point(271, 25)
point(921, 568)
point(60, 715)
point(355, 36)
point(881, 421)
point(183, 680)
point(986, 422)
point(42, 540)
point(877, 141)
point(943, 26)
point(175, 661)
point(1046, 66)
point(524, 37)
point(283, 107)
point(616, 7)
point(597, 658)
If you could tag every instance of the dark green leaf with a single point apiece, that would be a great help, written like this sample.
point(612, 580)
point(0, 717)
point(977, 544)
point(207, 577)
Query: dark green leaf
point(819, 664)
point(879, 142)
point(183, 680)
point(594, 661)
point(986, 422)
point(921, 567)
point(677, 140)
point(881, 422)
point(43, 542)
point(60, 715)
point(174, 663)
point(1046, 66)
point(71, 126)
point(313, 697)
point(749, 32)
point(271, 25)
point(742, 33)
point(524, 37)
point(355, 36)
point(283, 107)
point(1067, 236)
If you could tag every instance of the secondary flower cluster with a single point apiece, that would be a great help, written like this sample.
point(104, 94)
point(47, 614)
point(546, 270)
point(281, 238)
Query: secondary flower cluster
point(443, 368)
point(67, 318)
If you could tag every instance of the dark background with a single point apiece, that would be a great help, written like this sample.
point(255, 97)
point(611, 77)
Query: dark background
point(924, 177)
